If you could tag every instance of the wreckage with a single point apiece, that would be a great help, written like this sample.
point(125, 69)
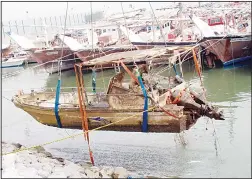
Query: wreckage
point(148, 103)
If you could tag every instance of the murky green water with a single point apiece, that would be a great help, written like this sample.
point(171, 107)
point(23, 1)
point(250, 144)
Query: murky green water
point(206, 154)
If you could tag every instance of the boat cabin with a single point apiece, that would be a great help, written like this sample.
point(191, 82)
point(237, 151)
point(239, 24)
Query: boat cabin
point(215, 21)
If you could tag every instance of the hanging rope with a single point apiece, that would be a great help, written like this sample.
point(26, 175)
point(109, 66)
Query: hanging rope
point(131, 46)
point(197, 68)
point(82, 106)
point(129, 72)
point(145, 113)
point(103, 79)
point(165, 68)
point(160, 27)
point(56, 107)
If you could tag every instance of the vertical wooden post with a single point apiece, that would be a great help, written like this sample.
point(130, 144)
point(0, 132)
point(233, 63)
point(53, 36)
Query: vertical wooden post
point(91, 10)
point(45, 21)
point(82, 19)
point(35, 26)
point(153, 30)
point(60, 21)
point(85, 18)
point(51, 23)
point(10, 25)
point(16, 26)
point(23, 26)
point(78, 18)
point(41, 23)
point(69, 20)
point(74, 19)
point(56, 21)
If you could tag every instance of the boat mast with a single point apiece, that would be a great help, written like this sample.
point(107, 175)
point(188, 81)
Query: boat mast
point(45, 33)
point(180, 16)
point(92, 37)
point(153, 32)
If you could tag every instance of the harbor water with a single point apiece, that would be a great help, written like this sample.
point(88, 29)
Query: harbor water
point(208, 149)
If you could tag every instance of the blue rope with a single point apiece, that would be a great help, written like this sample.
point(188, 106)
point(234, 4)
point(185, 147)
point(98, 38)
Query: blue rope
point(145, 113)
point(56, 108)
point(94, 81)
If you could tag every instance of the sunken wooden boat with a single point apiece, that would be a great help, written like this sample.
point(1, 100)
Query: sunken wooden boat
point(122, 106)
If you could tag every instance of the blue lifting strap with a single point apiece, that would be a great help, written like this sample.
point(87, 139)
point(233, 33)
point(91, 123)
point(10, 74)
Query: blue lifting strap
point(145, 113)
point(56, 108)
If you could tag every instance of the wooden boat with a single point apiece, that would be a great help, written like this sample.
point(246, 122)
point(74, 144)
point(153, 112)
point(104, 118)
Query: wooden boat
point(43, 53)
point(88, 53)
point(123, 100)
point(229, 49)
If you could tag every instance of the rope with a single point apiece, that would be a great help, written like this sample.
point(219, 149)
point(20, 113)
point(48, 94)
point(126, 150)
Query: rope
point(161, 71)
point(160, 27)
point(126, 24)
point(72, 136)
point(129, 72)
point(145, 114)
point(7, 98)
point(186, 51)
point(56, 107)
point(80, 84)
point(62, 45)
point(103, 79)
point(197, 68)
point(56, 104)
point(168, 113)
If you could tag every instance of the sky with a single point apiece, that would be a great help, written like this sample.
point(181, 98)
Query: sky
point(18, 10)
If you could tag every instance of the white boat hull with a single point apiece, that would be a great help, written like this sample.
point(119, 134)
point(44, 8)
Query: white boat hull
point(13, 63)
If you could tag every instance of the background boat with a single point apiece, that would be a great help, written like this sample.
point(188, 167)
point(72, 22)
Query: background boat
point(13, 62)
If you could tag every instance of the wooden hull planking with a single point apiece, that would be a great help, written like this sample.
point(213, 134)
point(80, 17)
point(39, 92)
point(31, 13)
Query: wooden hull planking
point(158, 121)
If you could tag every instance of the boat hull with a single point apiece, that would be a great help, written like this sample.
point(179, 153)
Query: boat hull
point(12, 63)
point(149, 45)
point(87, 55)
point(70, 118)
point(52, 67)
point(49, 58)
point(230, 50)
point(30, 60)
